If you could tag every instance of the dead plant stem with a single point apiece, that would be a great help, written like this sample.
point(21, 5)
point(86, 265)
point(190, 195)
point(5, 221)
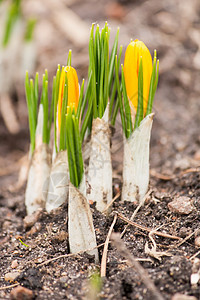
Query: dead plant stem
point(105, 249)
point(146, 228)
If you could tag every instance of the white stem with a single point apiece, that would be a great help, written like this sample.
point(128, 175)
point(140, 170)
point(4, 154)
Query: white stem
point(39, 128)
point(80, 224)
point(58, 187)
point(100, 166)
point(136, 162)
point(38, 177)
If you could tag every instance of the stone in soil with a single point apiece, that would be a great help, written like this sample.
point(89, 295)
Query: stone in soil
point(14, 264)
point(181, 205)
point(21, 293)
point(183, 297)
point(11, 276)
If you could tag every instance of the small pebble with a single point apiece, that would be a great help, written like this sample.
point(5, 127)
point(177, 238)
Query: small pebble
point(14, 264)
point(64, 279)
point(29, 221)
point(21, 293)
point(197, 155)
point(38, 260)
point(64, 274)
point(181, 205)
point(194, 279)
point(184, 231)
point(197, 241)
point(11, 276)
point(183, 297)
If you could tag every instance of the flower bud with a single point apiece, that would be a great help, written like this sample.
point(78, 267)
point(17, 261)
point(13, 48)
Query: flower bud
point(73, 90)
point(134, 52)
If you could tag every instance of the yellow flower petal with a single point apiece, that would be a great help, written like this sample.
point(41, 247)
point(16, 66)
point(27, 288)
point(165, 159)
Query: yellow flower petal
point(73, 90)
point(134, 51)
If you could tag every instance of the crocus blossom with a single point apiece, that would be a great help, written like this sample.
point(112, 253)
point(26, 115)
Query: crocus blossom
point(134, 52)
point(73, 90)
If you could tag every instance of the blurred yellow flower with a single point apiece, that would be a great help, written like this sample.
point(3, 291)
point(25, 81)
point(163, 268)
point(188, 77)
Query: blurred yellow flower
point(134, 51)
point(73, 90)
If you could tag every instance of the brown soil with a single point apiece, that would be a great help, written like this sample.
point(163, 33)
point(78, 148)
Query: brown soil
point(172, 27)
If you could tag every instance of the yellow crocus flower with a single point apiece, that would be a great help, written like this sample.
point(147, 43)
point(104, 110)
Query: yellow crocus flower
point(134, 51)
point(73, 90)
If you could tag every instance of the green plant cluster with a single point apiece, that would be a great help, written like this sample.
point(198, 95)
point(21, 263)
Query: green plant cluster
point(104, 87)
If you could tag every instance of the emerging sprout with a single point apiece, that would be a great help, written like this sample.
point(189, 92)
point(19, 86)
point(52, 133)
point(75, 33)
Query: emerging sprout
point(80, 223)
point(67, 98)
point(138, 86)
point(40, 120)
point(102, 88)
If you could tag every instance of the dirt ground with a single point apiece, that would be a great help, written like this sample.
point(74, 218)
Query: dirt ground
point(173, 28)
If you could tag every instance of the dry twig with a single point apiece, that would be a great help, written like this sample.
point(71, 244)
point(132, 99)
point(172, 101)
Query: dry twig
point(146, 228)
point(105, 249)
point(193, 256)
point(136, 265)
point(111, 203)
point(9, 286)
point(187, 237)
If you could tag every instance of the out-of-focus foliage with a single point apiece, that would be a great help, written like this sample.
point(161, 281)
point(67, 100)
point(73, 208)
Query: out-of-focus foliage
point(14, 12)
point(30, 29)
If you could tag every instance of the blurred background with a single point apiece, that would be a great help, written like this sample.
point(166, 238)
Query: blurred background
point(37, 35)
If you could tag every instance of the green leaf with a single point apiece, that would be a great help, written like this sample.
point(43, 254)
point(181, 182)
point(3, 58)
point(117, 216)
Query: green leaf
point(30, 26)
point(80, 100)
point(101, 107)
point(71, 150)
point(13, 14)
point(78, 150)
point(86, 95)
point(116, 107)
point(129, 127)
point(55, 105)
point(157, 76)
point(45, 104)
point(92, 68)
point(106, 70)
point(153, 84)
point(120, 96)
point(52, 108)
point(31, 89)
point(112, 60)
point(69, 59)
point(86, 120)
point(36, 91)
